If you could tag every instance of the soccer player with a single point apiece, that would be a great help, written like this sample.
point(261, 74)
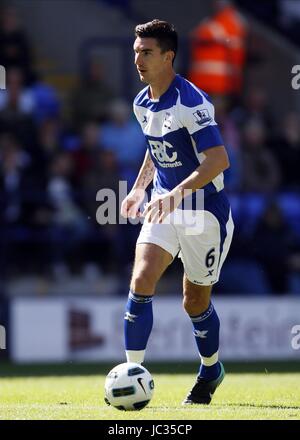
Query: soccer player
point(185, 154)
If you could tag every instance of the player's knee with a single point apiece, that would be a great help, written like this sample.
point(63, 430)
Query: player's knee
point(190, 304)
point(194, 304)
point(143, 281)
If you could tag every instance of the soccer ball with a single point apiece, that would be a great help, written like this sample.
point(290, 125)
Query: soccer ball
point(128, 387)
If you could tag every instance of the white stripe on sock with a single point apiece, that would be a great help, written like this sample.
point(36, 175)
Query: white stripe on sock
point(209, 361)
point(136, 356)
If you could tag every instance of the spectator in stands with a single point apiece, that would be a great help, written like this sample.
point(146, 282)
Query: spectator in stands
point(122, 135)
point(16, 96)
point(16, 108)
point(275, 262)
point(218, 51)
point(23, 209)
point(90, 100)
point(85, 155)
point(13, 179)
point(254, 107)
point(68, 223)
point(47, 146)
point(104, 175)
point(50, 136)
point(261, 172)
point(287, 150)
point(15, 48)
point(39, 101)
point(46, 101)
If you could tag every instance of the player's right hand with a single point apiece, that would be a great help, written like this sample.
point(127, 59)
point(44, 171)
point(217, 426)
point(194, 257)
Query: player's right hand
point(130, 205)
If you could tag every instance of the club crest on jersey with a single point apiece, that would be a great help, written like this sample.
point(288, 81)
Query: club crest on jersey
point(202, 116)
point(168, 120)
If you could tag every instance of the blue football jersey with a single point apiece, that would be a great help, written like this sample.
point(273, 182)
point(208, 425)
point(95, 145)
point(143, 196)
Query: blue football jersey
point(179, 127)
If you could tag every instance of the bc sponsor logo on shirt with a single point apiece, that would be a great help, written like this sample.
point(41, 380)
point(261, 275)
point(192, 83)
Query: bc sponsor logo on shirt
point(166, 159)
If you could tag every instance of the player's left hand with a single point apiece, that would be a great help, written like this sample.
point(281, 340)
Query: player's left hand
point(159, 208)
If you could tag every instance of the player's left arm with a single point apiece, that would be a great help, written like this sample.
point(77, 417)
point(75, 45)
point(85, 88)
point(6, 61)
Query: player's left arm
point(216, 161)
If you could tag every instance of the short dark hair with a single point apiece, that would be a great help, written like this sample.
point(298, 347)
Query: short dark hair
point(164, 32)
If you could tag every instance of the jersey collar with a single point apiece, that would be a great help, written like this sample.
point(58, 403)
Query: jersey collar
point(171, 87)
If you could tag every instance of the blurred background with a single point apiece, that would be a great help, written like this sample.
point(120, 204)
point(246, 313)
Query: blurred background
point(67, 130)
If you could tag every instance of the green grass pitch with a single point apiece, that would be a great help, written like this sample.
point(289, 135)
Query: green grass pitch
point(258, 391)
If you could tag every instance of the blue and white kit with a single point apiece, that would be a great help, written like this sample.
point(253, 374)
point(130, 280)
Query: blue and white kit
point(179, 127)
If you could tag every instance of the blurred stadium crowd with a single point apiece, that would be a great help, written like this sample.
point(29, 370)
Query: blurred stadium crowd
point(53, 161)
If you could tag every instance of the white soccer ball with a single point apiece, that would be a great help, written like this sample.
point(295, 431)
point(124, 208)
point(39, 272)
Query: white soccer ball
point(128, 387)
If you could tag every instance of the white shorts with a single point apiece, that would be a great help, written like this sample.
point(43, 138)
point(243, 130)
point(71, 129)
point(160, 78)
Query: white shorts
point(203, 246)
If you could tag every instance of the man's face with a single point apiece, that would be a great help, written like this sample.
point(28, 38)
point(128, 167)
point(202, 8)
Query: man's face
point(151, 63)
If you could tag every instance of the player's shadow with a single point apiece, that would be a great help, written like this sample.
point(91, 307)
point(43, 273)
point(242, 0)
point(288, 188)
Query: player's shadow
point(253, 405)
point(71, 368)
point(213, 406)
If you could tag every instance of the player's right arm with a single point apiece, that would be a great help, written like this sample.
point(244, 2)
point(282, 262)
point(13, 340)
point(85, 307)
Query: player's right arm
point(130, 205)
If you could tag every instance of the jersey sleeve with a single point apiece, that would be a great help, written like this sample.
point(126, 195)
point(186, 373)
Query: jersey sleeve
point(200, 122)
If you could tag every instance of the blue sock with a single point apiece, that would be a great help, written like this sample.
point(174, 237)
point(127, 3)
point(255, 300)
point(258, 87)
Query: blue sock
point(206, 332)
point(138, 322)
